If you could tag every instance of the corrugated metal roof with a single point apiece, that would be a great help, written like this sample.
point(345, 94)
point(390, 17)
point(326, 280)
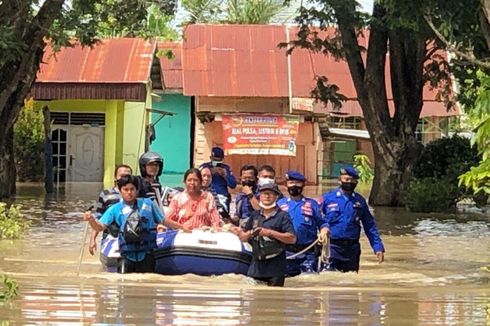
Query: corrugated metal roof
point(244, 61)
point(171, 69)
point(84, 70)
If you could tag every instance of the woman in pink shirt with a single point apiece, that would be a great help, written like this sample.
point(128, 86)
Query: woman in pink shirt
point(194, 207)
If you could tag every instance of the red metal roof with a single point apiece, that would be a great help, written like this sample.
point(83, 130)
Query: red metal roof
point(113, 61)
point(244, 61)
point(171, 69)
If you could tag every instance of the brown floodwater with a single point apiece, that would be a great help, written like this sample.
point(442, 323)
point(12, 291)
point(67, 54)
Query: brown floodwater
point(437, 272)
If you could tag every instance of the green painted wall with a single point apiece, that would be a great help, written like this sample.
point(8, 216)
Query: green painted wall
point(173, 132)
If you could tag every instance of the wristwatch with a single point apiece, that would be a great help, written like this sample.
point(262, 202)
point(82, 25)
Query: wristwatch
point(250, 195)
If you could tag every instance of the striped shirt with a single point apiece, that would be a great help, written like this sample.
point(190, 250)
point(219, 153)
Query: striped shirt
point(195, 213)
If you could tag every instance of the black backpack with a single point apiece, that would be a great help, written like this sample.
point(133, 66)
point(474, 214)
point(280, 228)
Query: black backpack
point(133, 228)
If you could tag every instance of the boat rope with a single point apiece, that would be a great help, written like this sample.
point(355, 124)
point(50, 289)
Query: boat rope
point(304, 250)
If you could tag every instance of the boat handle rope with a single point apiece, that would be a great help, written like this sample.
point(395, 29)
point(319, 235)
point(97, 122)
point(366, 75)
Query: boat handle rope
point(325, 250)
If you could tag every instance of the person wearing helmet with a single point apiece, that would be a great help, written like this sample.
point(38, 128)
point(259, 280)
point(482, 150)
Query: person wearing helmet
point(151, 167)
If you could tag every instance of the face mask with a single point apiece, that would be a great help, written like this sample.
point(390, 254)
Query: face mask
point(348, 186)
point(215, 163)
point(249, 183)
point(295, 190)
point(263, 181)
point(263, 206)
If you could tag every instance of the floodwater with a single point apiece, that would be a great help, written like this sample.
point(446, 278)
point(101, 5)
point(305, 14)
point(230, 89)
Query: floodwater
point(437, 272)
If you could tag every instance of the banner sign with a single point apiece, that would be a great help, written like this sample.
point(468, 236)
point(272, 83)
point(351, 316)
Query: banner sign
point(260, 134)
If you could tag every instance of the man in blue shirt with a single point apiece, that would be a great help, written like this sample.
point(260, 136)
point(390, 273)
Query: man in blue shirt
point(223, 178)
point(247, 200)
point(344, 211)
point(307, 220)
point(135, 244)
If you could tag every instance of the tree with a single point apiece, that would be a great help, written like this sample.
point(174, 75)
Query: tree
point(27, 25)
point(398, 33)
point(232, 11)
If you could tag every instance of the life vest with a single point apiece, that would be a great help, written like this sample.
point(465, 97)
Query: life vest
point(146, 241)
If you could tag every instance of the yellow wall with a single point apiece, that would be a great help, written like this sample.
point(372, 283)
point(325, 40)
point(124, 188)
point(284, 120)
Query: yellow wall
point(135, 119)
point(113, 133)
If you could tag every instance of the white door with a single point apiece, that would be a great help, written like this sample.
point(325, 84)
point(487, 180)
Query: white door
point(86, 159)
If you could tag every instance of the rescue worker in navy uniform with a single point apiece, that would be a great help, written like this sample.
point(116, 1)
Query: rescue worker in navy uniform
point(135, 243)
point(247, 200)
point(307, 221)
point(344, 212)
point(269, 230)
point(223, 178)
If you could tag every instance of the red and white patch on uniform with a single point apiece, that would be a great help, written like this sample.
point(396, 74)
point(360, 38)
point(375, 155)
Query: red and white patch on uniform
point(332, 205)
point(284, 207)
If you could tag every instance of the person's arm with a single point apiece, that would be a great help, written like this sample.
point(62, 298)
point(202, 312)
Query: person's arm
point(230, 178)
point(92, 246)
point(173, 209)
point(372, 232)
point(244, 233)
point(99, 225)
point(286, 235)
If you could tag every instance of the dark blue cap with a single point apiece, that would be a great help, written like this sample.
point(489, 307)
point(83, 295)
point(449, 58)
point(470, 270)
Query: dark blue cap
point(270, 186)
point(349, 171)
point(295, 175)
point(217, 152)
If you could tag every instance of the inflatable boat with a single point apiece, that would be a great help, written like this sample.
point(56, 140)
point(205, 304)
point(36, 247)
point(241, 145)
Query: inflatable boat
point(200, 252)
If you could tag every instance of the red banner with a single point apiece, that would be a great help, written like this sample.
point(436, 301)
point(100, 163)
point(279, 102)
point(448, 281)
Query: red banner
point(260, 134)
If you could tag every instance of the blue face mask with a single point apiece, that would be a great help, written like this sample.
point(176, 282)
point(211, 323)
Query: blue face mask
point(215, 163)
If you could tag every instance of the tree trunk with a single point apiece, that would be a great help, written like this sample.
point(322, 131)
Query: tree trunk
point(7, 165)
point(48, 152)
point(393, 171)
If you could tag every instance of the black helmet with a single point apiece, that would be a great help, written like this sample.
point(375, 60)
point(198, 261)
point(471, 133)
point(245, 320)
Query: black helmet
point(150, 157)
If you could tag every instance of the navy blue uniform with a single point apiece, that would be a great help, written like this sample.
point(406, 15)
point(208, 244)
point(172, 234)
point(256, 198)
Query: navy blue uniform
point(244, 207)
point(307, 220)
point(219, 183)
point(344, 215)
point(270, 270)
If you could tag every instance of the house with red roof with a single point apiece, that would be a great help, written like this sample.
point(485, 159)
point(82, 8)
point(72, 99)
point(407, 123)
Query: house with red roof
point(231, 70)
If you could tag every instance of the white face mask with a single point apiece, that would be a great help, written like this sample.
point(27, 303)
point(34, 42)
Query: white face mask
point(263, 181)
point(263, 206)
point(215, 163)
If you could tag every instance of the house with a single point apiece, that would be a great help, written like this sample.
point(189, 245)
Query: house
point(232, 70)
point(98, 99)
point(172, 113)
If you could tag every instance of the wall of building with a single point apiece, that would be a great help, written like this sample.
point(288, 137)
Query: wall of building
point(135, 120)
point(113, 133)
point(306, 160)
point(173, 133)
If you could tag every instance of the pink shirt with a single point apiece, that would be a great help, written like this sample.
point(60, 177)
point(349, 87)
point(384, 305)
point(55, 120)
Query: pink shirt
point(194, 213)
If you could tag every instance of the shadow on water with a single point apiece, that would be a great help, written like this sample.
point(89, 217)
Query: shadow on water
point(435, 274)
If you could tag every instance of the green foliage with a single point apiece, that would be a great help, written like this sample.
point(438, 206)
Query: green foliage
point(252, 11)
point(447, 158)
point(8, 289)
point(232, 11)
point(443, 161)
point(477, 178)
point(431, 195)
point(363, 165)
point(12, 222)
point(29, 143)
